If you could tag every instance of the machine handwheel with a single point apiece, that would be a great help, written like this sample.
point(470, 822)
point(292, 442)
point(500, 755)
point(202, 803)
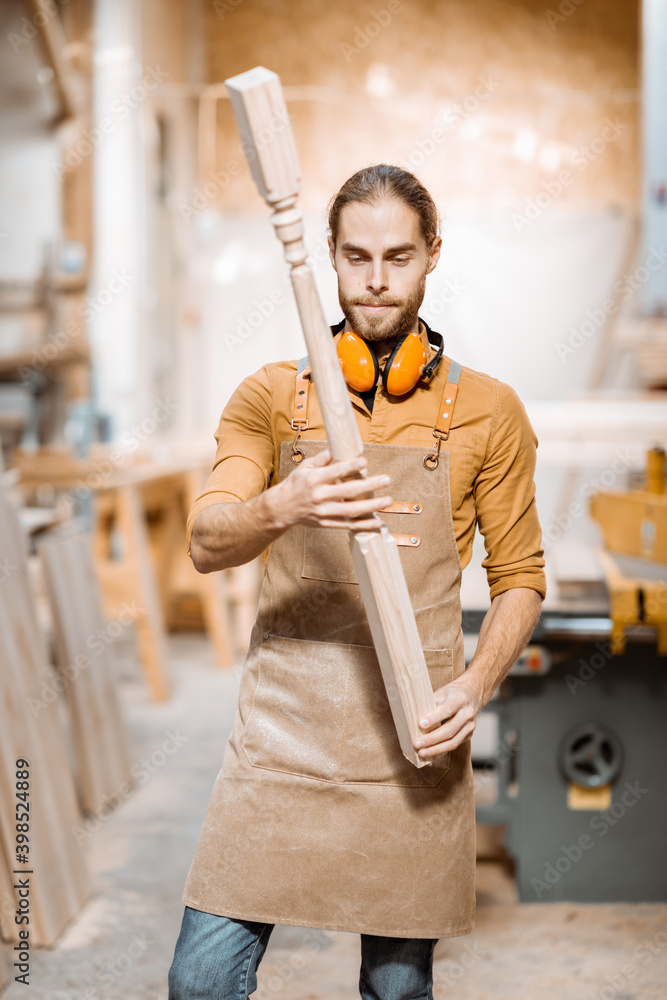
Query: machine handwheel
point(590, 755)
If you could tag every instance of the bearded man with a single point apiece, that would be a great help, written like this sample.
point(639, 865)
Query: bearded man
point(316, 818)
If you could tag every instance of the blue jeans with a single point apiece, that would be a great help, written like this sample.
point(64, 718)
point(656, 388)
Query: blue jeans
point(216, 958)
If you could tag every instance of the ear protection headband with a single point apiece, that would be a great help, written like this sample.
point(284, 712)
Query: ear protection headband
point(405, 366)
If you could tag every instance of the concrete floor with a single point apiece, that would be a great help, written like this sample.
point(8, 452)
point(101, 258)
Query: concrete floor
point(121, 943)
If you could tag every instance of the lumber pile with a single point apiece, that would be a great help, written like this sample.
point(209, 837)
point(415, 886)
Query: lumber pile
point(83, 652)
point(139, 513)
point(34, 766)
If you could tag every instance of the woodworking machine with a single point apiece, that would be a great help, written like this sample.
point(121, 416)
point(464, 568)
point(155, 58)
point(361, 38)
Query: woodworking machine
point(570, 752)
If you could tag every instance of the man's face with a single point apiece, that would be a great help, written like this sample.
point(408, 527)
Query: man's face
point(381, 260)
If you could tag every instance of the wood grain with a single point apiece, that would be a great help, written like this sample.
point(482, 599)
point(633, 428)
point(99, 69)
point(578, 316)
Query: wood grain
point(260, 110)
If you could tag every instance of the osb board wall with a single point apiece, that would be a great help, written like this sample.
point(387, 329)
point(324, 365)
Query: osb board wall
point(489, 101)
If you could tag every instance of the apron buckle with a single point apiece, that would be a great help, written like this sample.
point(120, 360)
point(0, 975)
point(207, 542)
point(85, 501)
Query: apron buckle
point(298, 425)
point(431, 461)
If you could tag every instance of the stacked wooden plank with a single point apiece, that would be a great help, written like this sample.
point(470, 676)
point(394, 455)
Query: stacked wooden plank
point(140, 516)
point(55, 873)
point(83, 645)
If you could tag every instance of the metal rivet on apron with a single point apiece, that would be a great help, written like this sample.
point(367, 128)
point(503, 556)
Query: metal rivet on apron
point(445, 415)
point(448, 401)
point(417, 508)
point(414, 540)
point(266, 635)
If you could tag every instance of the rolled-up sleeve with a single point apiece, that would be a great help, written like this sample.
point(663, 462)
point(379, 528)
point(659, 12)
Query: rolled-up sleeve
point(504, 496)
point(244, 456)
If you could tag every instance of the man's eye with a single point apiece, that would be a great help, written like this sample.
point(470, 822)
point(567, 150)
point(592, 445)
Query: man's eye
point(401, 260)
point(355, 260)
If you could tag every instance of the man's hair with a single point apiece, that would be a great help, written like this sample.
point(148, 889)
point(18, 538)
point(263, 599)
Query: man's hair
point(380, 181)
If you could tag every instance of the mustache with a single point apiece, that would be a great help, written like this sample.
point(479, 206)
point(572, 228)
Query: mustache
point(375, 302)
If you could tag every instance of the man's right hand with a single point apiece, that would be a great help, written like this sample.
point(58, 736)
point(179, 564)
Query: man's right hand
point(230, 534)
point(318, 493)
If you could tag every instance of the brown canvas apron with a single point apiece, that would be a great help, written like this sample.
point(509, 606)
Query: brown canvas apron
point(316, 818)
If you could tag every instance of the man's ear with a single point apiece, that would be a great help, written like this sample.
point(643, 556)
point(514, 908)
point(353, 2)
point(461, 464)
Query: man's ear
point(434, 255)
point(332, 251)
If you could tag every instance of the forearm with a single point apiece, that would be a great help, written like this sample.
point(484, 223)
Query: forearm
point(319, 492)
point(231, 534)
point(505, 631)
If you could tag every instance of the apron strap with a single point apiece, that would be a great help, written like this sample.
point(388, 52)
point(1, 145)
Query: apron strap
point(440, 430)
point(446, 411)
point(300, 414)
point(445, 414)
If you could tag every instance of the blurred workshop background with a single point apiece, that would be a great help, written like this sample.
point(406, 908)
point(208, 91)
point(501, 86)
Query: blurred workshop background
point(141, 280)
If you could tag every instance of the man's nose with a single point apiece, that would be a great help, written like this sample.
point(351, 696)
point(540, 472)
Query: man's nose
point(377, 278)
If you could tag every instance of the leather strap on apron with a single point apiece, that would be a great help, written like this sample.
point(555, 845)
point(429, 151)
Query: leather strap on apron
point(445, 413)
point(440, 430)
point(300, 415)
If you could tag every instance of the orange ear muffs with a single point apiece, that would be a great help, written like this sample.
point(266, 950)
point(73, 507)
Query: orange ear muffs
point(404, 365)
point(358, 361)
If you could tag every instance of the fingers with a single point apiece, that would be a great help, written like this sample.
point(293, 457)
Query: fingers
point(321, 458)
point(329, 472)
point(351, 489)
point(450, 723)
point(449, 699)
point(358, 524)
point(441, 744)
point(350, 510)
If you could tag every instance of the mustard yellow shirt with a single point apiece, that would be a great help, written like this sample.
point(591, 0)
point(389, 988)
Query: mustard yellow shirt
point(491, 443)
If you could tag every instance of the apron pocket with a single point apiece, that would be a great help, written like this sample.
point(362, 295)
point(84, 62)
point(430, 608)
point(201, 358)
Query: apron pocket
point(371, 751)
point(298, 706)
point(320, 710)
point(327, 556)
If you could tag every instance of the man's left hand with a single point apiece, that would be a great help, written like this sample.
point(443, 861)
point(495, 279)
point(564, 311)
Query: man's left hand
point(451, 722)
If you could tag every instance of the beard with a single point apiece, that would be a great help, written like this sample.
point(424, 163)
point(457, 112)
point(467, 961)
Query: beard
point(400, 318)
